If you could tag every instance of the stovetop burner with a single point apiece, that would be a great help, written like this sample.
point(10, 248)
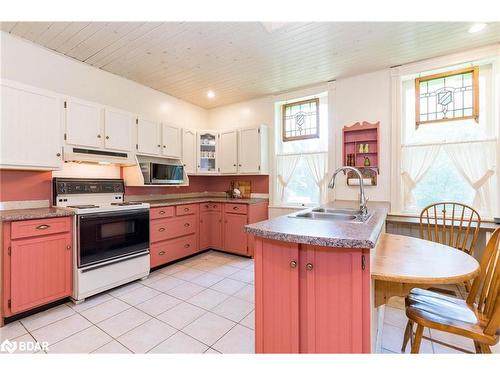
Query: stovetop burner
point(84, 206)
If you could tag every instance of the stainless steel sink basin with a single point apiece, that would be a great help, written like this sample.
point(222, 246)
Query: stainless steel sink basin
point(325, 216)
point(331, 214)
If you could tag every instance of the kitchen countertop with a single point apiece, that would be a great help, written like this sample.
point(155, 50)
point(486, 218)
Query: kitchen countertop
point(34, 213)
point(322, 232)
point(176, 201)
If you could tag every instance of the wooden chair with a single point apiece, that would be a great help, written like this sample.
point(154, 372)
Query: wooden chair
point(477, 318)
point(453, 224)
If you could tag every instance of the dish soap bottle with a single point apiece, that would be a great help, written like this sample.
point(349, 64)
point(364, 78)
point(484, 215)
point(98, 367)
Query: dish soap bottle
point(367, 161)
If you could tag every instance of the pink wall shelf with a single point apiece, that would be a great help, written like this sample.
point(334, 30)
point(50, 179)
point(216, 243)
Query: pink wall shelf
point(366, 134)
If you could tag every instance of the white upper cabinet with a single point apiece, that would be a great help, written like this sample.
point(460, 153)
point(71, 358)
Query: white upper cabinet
point(118, 130)
point(253, 150)
point(148, 137)
point(171, 141)
point(31, 131)
point(83, 123)
point(228, 152)
point(189, 150)
point(207, 152)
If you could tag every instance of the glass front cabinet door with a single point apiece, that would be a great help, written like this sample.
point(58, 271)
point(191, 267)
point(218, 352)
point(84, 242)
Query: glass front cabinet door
point(207, 152)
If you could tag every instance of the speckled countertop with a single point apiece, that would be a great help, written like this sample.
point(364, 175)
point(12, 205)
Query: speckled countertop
point(322, 232)
point(34, 213)
point(176, 201)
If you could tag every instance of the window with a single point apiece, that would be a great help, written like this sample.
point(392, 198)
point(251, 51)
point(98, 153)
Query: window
point(300, 120)
point(447, 96)
point(451, 156)
point(301, 158)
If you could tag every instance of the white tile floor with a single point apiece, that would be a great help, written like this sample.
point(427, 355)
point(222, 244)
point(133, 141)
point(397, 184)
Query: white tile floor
point(204, 304)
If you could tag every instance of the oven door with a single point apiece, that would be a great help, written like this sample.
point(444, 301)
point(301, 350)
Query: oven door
point(111, 235)
point(167, 173)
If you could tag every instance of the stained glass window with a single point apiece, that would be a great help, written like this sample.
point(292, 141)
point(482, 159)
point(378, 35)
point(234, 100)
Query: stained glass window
point(447, 96)
point(301, 120)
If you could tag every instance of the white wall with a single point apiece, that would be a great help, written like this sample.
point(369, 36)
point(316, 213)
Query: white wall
point(364, 97)
point(31, 64)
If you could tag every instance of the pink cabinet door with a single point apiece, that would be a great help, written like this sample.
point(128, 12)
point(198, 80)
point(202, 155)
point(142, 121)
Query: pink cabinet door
point(276, 296)
point(211, 230)
point(333, 285)
point(235, 238)
point(40, 270)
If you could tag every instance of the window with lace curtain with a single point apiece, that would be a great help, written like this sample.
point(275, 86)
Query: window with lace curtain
point(451, 158)
point(301, 161)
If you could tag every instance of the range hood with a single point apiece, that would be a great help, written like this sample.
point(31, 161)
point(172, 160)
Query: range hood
point(87, 155)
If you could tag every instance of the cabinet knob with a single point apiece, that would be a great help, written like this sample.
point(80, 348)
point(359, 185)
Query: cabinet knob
point(161, 253)
point(98, 136)
point(186, 225)
point(234, 165)
point(68, 247)
point(159, 145)
point(58, 154)
point(164, 146)
point(162, 212)
point(187, 245)
point(293, 263)
point(239, 165)
point(107, 137)
point(309, 266)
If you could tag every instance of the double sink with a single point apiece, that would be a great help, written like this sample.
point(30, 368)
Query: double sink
point(333, 214)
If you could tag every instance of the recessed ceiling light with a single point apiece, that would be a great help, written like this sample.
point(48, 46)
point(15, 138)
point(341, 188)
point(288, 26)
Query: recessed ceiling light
point(477, 27)
point(211, 94)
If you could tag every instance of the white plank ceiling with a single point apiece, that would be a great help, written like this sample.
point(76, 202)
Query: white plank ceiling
point(243, 60)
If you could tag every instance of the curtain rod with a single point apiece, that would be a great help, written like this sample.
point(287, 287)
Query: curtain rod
point(448, 143)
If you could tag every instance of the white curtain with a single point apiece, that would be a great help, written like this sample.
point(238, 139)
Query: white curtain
point(286, 165)
point(317, 164)
point(416, 161)
point(475, 161)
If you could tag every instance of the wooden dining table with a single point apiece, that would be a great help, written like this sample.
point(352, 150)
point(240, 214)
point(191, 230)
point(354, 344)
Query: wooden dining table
point(400, 263)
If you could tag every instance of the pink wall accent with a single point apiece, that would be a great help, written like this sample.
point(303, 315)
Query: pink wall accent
point(260, 184)
point(24, 185)
point(16, 185)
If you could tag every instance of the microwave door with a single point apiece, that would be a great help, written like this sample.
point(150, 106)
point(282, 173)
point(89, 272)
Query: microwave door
point(167, 174)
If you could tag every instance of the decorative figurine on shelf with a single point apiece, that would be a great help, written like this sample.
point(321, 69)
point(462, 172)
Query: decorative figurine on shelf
point(367, 162)
point(361, 148)
point(367, 148)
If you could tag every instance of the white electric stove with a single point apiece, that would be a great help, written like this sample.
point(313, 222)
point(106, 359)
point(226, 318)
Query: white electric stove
point(111, 237)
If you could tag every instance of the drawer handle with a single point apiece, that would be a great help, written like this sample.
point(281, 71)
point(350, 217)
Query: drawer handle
point(186, 209)
point(235, 208)
point(162, 212)
point(161, 253)
point(186, 225)
point(161, 230)
point(43, 227)
point(187, 245)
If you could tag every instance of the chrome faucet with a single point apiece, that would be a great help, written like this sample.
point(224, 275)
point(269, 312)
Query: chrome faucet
point(362, 198)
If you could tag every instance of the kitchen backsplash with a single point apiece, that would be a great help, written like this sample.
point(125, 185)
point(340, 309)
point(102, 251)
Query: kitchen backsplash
point(17, 185)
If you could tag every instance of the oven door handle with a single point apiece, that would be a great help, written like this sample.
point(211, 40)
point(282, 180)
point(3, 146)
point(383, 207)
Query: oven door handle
point(115, 214)
point(114, 261)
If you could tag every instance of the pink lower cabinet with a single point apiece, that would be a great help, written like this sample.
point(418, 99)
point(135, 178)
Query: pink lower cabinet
point(174, 233)
point(211, 230)
point(36, 263)
point(311, 299)
point(235, 237)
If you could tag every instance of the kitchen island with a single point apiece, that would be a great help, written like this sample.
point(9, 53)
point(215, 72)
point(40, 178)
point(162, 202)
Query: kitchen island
point(313, 284)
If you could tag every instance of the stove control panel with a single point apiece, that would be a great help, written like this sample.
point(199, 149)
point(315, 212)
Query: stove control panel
point(65, 186)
